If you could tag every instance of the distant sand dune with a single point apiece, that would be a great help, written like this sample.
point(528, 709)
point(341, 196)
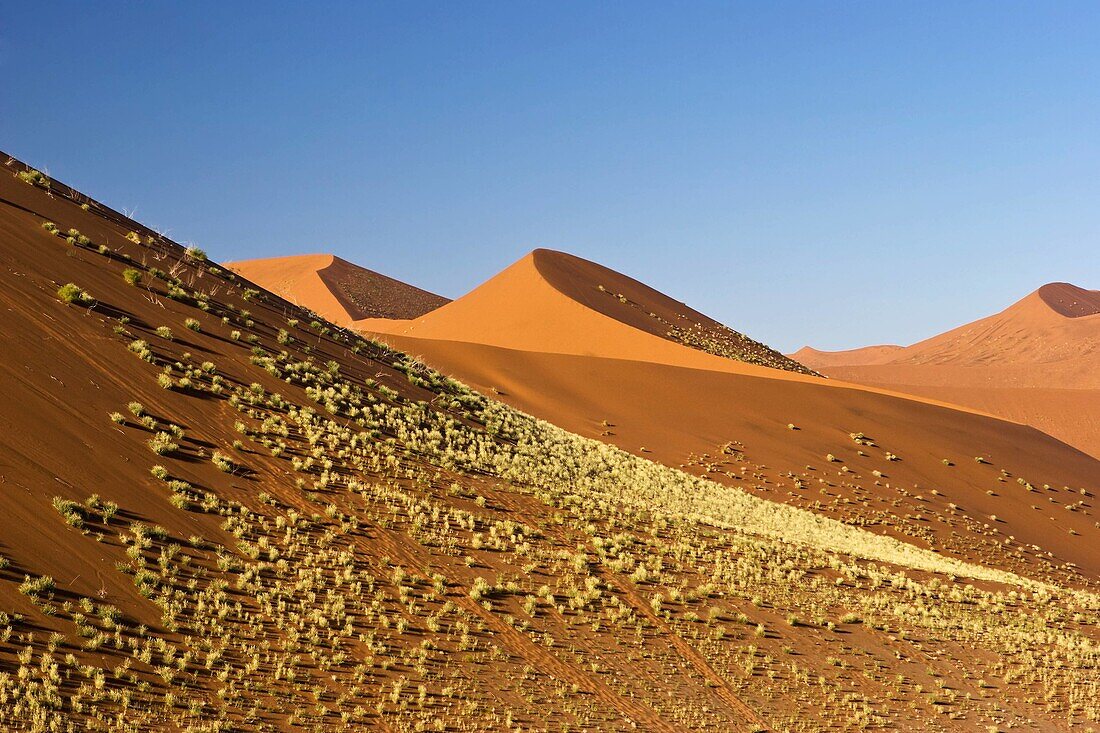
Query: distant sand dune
point(1037, 361)
point(337, 289)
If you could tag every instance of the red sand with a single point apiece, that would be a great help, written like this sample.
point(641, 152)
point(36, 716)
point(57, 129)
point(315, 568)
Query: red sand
point(64, 369)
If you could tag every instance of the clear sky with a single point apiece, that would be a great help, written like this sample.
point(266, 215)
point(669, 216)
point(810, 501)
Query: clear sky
point(821, 172)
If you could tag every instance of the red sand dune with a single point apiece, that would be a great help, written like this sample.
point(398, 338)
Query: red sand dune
point(1037, 361)
point(336, 289)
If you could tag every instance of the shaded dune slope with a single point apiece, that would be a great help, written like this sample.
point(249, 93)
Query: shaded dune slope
point(1069, 300)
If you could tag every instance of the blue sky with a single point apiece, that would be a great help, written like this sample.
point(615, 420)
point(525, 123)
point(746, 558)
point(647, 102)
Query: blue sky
point(829, 173)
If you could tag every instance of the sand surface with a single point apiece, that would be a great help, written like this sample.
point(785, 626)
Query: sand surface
point(555, 302)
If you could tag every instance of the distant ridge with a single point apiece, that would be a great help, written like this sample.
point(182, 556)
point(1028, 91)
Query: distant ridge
point(1055, 326)
point(867, 355)
point(337, 289)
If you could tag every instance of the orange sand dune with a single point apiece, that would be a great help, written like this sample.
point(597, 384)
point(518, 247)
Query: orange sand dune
point(1037, 361)
point(242, 556)
point(552, 301)
point(1053, 331)
point(1056, 327)
point(336, 289)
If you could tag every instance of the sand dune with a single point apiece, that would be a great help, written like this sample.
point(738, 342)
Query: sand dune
point(1037, 361)
point(1053, 328)
point(866, 355)
point(336, 289)
point(544, 337)
point(552, 301)
point(339, 538)
point(684, 416)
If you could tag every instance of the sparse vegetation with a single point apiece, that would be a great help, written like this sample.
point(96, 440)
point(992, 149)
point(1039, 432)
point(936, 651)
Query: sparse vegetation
point(162, 444)
point(35, 178)
point(72, 293)
point(223, 462)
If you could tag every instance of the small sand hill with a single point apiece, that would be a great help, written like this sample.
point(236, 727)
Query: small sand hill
point(817, 359)
point(1037, 361)
point(338, 290)
point(552, 301)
